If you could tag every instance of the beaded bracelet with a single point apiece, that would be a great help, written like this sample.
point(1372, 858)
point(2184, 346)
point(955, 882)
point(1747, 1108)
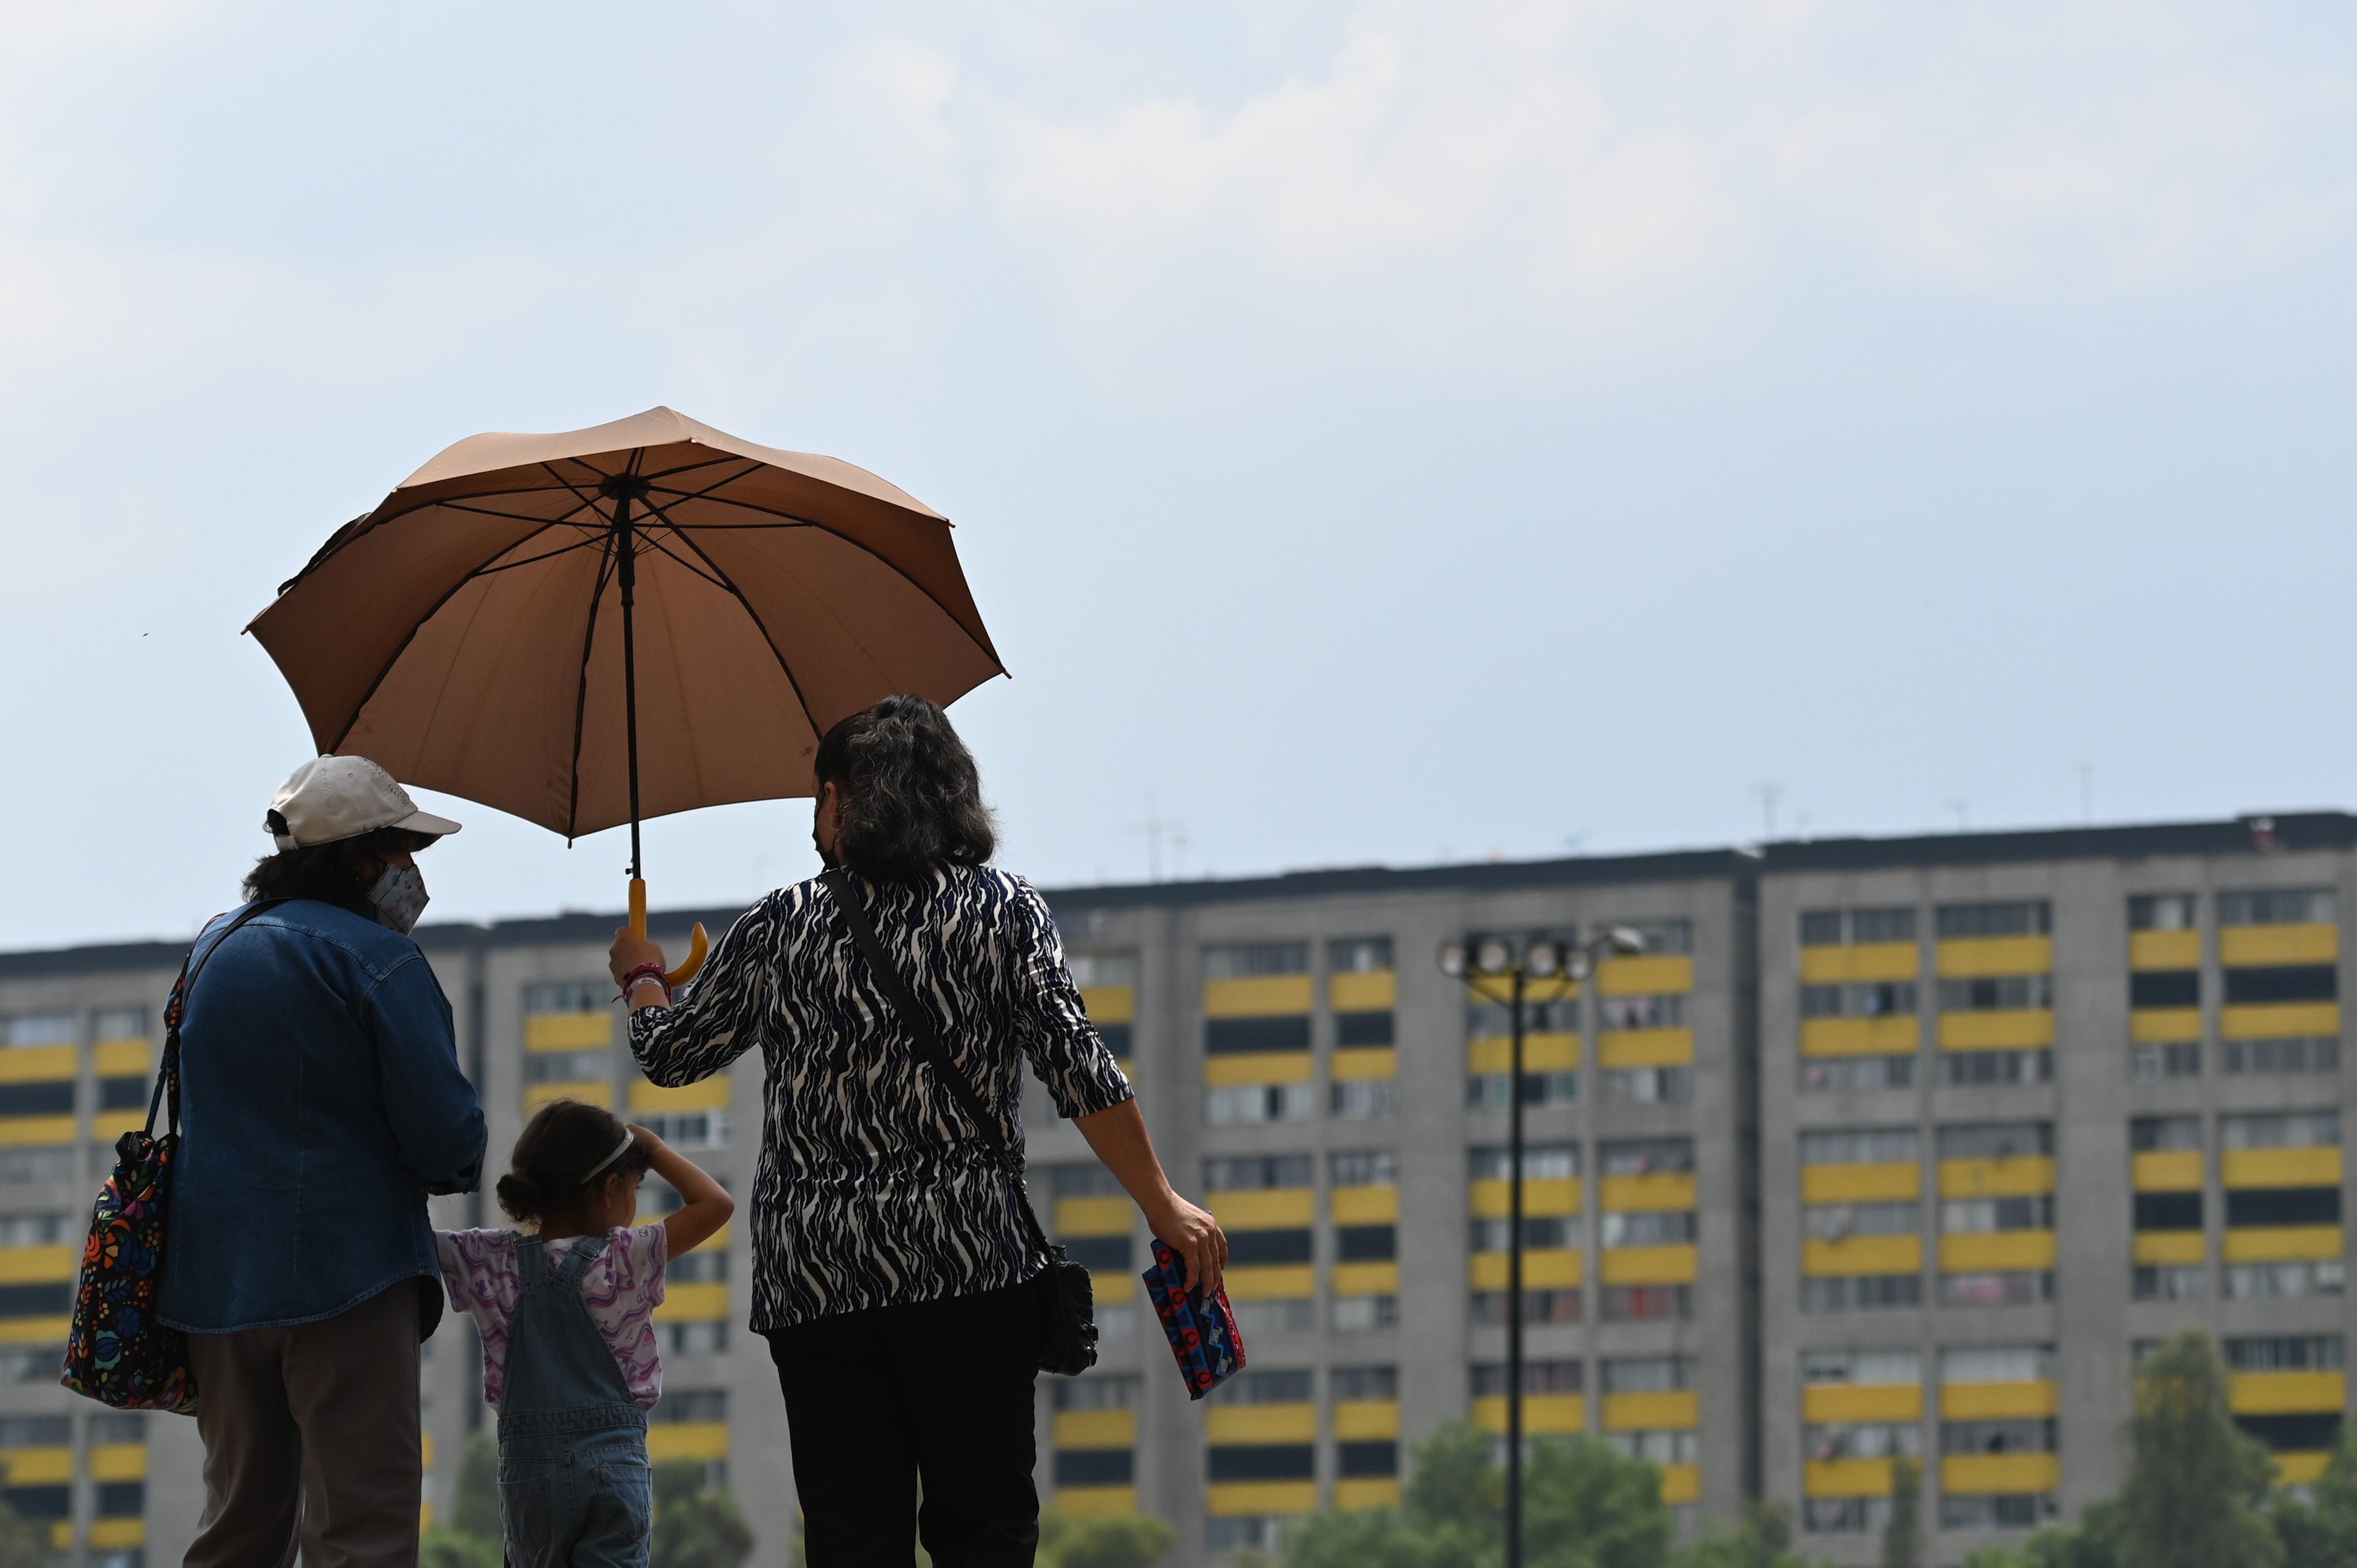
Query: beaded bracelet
point(654, 972)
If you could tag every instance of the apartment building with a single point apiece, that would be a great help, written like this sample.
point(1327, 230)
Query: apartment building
point(1879, 1148)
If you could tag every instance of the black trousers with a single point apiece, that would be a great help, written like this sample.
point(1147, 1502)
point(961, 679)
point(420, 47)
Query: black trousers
point(940, 1390)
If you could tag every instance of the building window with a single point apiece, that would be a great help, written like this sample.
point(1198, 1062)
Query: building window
point(1366, 1243)
point(1090, 969)
point(689, 1129)
point(1883, 999)
point(2165, 988)
point(2159, 1134)
point(2149, 1064)
point(1255, 1104)
point(694, 1406)
point(1650, 1228)
point(2283, 983)
point(1277, 1032)
point(1856, 1075)
point(566, 996)
point(1998, 1364)
point(1258, 1173)
point(1095, 1466)
point(2024, 918)
point(2281, 1130)
point(1096, 1390)
point(1353, 1385)
point(706, 1266)
point(1861, 1293)
point(2280, 907)
point(1647, 1374)
point(1840, 1221)
point(2166, 1282)
point(1495, 1020)
point(1845, 1516)
point(1487, 1091)
point(693, 1338)
point(1876, 1368)
point(1288, 1315)
point(1366, 1314)
point(1856, 928)
point(2011, 1436)
point(2162, 912)
point(1541, 1162)
point(1362, 1167)
point(1663, 1011)
point(1362, 1099)
point(1647, 1086)
point(1100, 1255)
point(53, 1097)
point(1254, 961)
point(2285, 1282)
point(2280, 1058)
point(1864, 1440)
point(1539, 1232)
point(2009, 1287)
point(1646, 1156)
point(36, 1229)
point(1679, 1447)
point(2000, 1512)
point(2165, 1210)
point(36, 1029)
point(567, 1066)
point(1637, 1303)
point(1996, 1139)
point(1539, 1377)
point(119, 1024)
point(1970, 1070)
point(2286, 1353)
point(1984, 1215)
point(1660, 936)
point(1360, 955)
point(2250, 1207)
point(1369, 1457)
point(1242, 1532)
point(1861, 1146)
point(1997, 993)
point(1489, 1306)
point(1363, 1028)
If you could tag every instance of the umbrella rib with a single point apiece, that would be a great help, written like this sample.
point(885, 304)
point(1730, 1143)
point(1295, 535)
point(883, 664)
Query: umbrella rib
point(679, 495)
point(545, 555)
point(761, 626)
point(671, 554)
point(581, 695)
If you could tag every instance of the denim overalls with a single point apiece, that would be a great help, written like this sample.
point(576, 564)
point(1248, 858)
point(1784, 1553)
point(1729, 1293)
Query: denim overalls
point(573, 1483)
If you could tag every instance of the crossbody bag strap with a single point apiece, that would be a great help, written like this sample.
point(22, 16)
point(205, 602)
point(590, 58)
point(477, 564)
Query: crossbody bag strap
point(167, 1071)
point(936, 1052)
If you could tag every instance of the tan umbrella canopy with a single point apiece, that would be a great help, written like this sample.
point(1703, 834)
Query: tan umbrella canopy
point(620, 622)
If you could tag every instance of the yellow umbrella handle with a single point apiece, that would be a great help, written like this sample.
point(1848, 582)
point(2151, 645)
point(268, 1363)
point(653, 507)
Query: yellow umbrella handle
point(699, 944)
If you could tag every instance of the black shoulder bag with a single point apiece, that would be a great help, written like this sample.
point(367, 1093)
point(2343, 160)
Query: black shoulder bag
point(1068, 1339)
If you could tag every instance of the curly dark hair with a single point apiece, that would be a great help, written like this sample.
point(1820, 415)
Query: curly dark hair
point(547, 1175)
point(910, 795)
point(337, 873)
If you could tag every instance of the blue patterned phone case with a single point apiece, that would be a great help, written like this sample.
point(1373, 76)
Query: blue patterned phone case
point(1202, 1328)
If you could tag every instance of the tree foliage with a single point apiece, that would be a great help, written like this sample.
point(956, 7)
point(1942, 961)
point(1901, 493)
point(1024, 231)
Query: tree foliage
point(2320, 1531)
point(1102, 1540)
point(2196, 1484)
point(1902, 1537)
point(24, 1542)
point(696, 1526)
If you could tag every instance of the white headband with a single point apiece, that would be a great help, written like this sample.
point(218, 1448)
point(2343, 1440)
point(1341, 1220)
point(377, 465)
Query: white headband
point(619, 1149)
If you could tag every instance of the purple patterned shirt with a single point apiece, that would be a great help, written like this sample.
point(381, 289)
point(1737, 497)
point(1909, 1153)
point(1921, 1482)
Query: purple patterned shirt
point(621, 1290)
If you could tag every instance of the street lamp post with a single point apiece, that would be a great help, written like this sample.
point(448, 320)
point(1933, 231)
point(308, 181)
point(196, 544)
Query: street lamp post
point(1480, 963)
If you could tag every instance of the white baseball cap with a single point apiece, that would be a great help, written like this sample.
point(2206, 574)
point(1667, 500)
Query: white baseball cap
point(333, 798)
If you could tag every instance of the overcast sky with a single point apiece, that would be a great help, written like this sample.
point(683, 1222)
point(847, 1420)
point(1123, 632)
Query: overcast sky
point(1376, 433)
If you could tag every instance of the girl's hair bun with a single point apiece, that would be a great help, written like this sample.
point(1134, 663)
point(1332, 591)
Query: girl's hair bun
point(563, 1142)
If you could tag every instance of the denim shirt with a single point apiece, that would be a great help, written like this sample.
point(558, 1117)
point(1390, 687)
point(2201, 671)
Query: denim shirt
point(322, 1101)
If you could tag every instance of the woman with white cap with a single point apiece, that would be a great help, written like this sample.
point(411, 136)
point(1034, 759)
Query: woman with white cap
point(323, 1102)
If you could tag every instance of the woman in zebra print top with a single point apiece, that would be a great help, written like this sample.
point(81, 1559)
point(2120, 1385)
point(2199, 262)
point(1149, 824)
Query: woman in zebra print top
point(891, 1272)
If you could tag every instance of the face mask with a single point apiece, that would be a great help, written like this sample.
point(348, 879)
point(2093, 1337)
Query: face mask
point(399, 898)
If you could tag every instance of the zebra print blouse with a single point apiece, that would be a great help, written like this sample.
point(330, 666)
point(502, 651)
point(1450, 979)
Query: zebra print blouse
point(872, 1189)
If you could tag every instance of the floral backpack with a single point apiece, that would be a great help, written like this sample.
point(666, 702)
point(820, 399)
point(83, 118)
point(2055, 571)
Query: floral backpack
point(117, 1352)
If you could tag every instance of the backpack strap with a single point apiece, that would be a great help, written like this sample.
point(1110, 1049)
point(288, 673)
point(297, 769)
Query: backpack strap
point(930, 1043)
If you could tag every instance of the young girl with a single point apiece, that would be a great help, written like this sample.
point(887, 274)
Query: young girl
point(568, 1350)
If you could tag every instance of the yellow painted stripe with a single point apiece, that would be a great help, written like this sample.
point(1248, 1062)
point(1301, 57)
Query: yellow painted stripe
point(106, 1126)
point(1999, 1401)
point(2301, 1469)
point(1540, 1195)
point(1364, 1493)
point(1231, 1499)
point(28, 1131)
point(709, 1094)
point(1273, 1282)
point(1544, 1268)
point(1272, 1209)
point(1648, 1266)
point(1670, 1189)
point(1681, 1483)
point(1644, 1047)
point(1366, 1278)
point(1357, 1420)
point(2239, 945)
point(587, 1091)
point(1097, 1499)
point(1246, 1067)
point(1096, 1429)
point(119, 1059)
point(1823, 1404)
point(700, 1440)
point(2154, 1248)
point(2165, 1026)
point(1862, 1255)
point(1547, 1052)
point(1094, 1217)
point(1256, 996)
point(1374, 993)
point(2167, 1170)
point(1675, 1410)
point(38, 1265)
point(1898, 1034)
point(1998, 1251)
point(2023, 1176)
point(1364, 1205)
point(1974, 958)
point(1110, 1003)
point(426, 1448)
point(1845, 1478)
point(2283, 1243)
point(568, 1031)
point(2288, 1393)
point(1260, 1424)
point(1663, 974)
point(2164, 950)
point(36, 1331)
point(38, 1064)
point(125, 1461)
point(1864, 963)
point(704, 1303)
point(2278, 1020)
point(38, 1467)
point(1542, 1414)
point(2318, 1167)
point(2006, 1029)
point(120, 1534)
point(1982, 1474)
point(1894, 1181)
point(1358, 1064)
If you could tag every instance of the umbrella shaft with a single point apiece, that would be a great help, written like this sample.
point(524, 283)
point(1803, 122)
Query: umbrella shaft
point(627, 566)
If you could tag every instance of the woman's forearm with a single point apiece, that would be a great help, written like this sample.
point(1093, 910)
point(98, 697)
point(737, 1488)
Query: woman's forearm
point(1118, 1136)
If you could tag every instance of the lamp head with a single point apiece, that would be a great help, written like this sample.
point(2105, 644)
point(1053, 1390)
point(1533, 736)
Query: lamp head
point(1624, 941)
point(1493, 956)
point(1542, 958)
point(1453, 960)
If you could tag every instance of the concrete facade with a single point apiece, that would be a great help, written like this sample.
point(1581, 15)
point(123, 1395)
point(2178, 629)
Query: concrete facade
point(1310, 1075)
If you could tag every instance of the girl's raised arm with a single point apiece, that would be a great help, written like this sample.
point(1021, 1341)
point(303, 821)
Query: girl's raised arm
point(704, 1205)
